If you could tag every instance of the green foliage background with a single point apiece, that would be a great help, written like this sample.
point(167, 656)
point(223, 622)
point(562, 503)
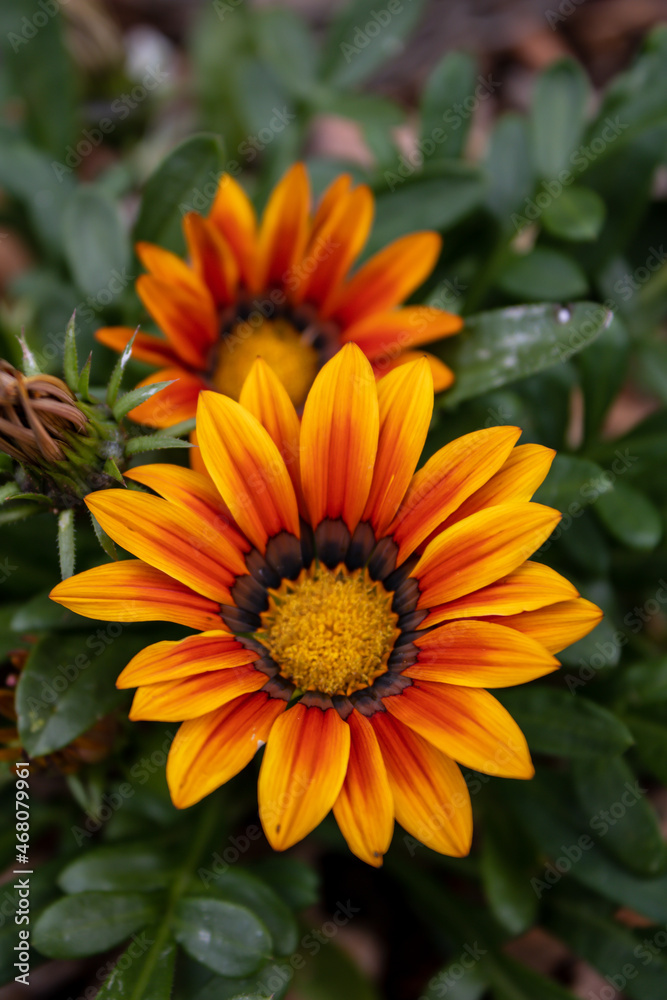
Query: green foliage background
point(553, 254)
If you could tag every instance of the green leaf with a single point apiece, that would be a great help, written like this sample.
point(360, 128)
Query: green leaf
point(70, 360)
point(565, 725)
point(39, 613)
point(573, 480)
point(119, 867)
point(91, 922)
point(106, 543)
point(330, 974)
point(510, 171)
point(294, 881)
point(140, 973)
point(603, 370)
point(43, 74)
point(557, 115)
point(363, 36)
point(227, 938)
point(250, 891)
point(510, 980)
point(542, 274)
point(68, 683)
point(95, 244)
point(576, 214)
point(190, 172)
point(139, 395)
point(630, 517)
point(285, 42)
point(83, 385)
point(505, 862)
point(503, 345)
point(425, 202)
point(608, 788)
point(447, 105)
point(27, 176)
point(153, 442)
point(650, 744)
point(116, 376)
point(66, 543)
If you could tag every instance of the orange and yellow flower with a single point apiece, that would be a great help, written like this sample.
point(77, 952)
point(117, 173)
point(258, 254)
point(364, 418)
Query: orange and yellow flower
point(281, 289)
point(350, 612)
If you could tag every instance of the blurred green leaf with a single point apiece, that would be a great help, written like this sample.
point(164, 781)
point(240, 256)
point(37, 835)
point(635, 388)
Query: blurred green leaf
point(40, 613)
point(228, 938)
point(558, 114)
point(68, 683)
point(424, 202)
point(248, 890)
point(650, 744)
point(148, 975)
point(95, 243)
point(566, 725)
point(630, 517)
point(363, 36)
point(577, 214)
point(503, 345)
point(187, 179)
point(294, 881)
point(449, 982)
point(119, 867)
point(627, 825)
point(505, 863)
point(286, 43)
point(572, 480)
point(330, 974)
point(91, 922)
point(448, 101)
point(510, 980)
point(27, 175)
point(510, 170)
point(603, 370)
point(542, 274)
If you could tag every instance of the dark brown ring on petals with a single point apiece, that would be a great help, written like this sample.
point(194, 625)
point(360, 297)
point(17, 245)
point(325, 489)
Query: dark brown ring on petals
point(284, 555)
point(383, 559)
point(316, 699)
point(361, 546)
point(250, 595)
point(238, 620)
point(332, 542)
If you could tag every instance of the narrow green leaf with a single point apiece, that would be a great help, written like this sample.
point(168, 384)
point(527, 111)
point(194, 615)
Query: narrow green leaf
point(66, 543)
point(116, 376)
point(10, 490)
point(102, 537)
point(505, 863)
point(628, 826)
point(70, 359)
point(557, 115)
point(83, 385)
point(91, 922)
point(555, 722)
point(153, 442)
point(112, 469)
point(503, 345)
point(227, 938)
point(542, 274)
point(136, 396)
point(452, 92)
point(189, 172)
point(510, 170)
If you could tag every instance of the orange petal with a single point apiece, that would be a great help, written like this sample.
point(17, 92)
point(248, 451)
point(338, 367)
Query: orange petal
point(196, 460)
point(145, 348)
point(169, 661)
point(212, 258)
point(381, 335)
point(188, 321)
point(284, 230)
point(173, 404)
point(559, 625)
point(447, 479)
point(388, 277)
point(334, 246)
point(364, 810)
point(330, 201)
point(525, 469)
point(171, 539)
point(479, 654)
point(339, 438)
point(266, 397)
point(431, 799)
point(170, 269)
point(442, 375)
point(405, 398)
point(247, 469)
point(131, 591)
point(467, 724)
point(480, 550)
point(530, 586)
point(193, 491)
point(210, 750)
point(302, 772)
point(234, 217)
point(191, 697)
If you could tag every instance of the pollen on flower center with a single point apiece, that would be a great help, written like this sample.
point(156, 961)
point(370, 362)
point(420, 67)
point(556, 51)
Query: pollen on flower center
point(330, 631)
point(293, 359)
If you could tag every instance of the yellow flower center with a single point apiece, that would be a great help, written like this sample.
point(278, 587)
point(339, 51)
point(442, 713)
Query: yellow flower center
point(280, 344)
point(330, 631)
